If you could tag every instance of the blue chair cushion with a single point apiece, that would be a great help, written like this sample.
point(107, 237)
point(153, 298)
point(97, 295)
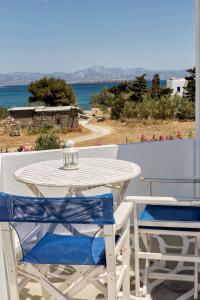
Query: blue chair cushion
point(67, 250)
point(170, 213)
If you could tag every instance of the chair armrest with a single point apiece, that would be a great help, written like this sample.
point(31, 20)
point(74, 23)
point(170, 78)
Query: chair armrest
point(122, 214)
point(171, 180)
point(184, 201)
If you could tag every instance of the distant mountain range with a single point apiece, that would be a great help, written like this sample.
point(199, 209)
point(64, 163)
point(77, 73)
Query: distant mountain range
point(93, 74)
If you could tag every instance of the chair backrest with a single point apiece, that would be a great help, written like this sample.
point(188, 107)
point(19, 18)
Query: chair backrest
point(33, 218)
point(69, 210)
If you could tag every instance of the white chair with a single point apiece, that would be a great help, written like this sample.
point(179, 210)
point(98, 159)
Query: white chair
point(165, 216)
point(49, 234)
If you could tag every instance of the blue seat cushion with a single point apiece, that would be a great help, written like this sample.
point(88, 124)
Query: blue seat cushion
point(67, 250)
point(170, 213)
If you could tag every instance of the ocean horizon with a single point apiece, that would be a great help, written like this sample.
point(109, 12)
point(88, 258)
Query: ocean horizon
point(17, 95)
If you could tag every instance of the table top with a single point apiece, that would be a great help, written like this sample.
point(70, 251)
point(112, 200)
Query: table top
point(91, 172)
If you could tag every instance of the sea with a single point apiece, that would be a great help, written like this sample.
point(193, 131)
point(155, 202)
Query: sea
point(13, 96)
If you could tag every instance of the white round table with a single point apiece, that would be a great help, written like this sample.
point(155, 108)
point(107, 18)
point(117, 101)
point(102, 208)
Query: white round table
point(92, 172)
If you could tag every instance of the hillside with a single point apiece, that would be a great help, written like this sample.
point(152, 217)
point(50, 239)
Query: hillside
point(93, 74)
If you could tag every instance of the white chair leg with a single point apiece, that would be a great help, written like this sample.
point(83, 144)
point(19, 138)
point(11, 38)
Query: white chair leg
point(45, 283)
point(146, 272)
point(23, 283)
point(111, 262)
point(11, 268)
point(111, 285)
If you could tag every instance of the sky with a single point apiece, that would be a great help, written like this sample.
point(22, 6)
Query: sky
point(70, 35)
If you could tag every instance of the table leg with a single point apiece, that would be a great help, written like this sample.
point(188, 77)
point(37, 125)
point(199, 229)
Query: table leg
point(121, 189)
point(34, 189)
point(75, 192)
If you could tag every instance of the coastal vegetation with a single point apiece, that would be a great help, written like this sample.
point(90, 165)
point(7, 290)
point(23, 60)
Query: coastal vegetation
point(47, 141)
point(50, 137)
point(132, 131)
point(123, 131)
point(134, 99)
point(154, 138)
point(45, 128)
point(3, 113)
point(170, 107)
point(189, 92)
point(48, 127)
point(51, 92)
point(139, 112)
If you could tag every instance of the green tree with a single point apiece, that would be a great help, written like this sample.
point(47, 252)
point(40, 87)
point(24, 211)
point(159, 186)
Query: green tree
point(189, 90)
point(103, 100)
point(52, 92)
point(122, 87)
point(155, 89)
point(134, 89)
point(138, 88)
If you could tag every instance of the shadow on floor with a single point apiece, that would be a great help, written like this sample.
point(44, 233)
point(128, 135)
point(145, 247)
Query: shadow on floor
point(25, 295)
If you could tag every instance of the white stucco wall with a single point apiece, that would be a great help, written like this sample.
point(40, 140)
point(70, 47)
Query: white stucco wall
point(165, 159)
point(157, 159)
point(174, 83)
point(10, 162)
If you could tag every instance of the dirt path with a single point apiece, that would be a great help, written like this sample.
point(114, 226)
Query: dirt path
point(91, 132)
point(97, 131)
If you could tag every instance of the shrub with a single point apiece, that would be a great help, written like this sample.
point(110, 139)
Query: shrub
point(3, 113)
point(186, 110)
point(165, 108)
point(47, 141)
point(46, 128)
point(140, 110)
point(145, 109)
point(103, 100)
point(31, 130)
point(117, 108)
point(24, 148)
point(171, 107)
point(174, 108)
point(130, 110)
point(176, 136)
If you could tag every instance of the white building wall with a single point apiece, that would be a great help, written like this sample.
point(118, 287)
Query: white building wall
point(177, 85)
